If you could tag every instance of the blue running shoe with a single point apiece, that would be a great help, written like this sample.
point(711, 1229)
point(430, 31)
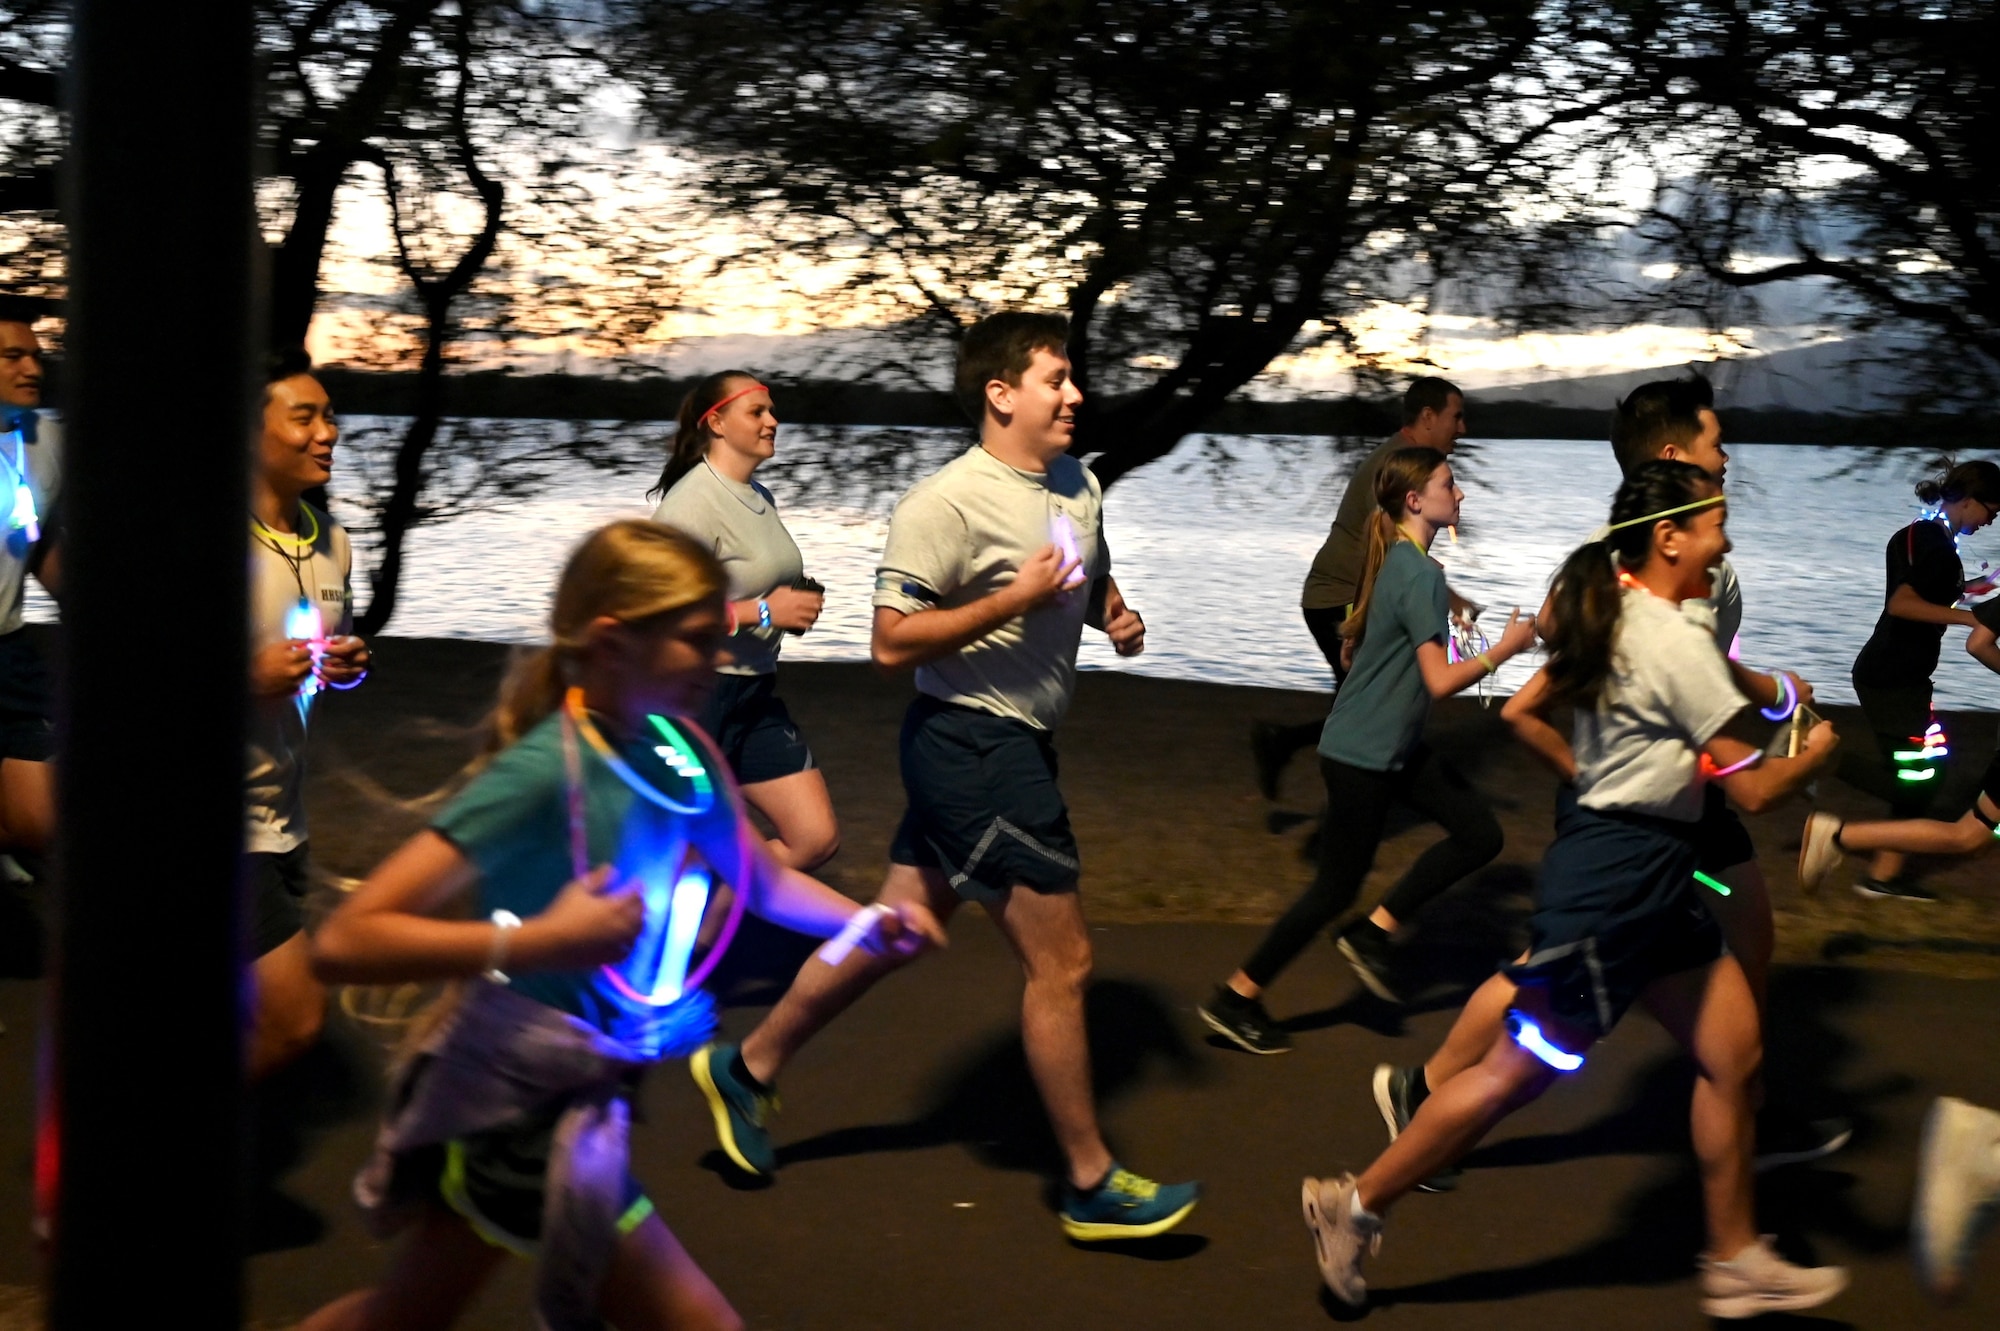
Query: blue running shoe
point(1126, 1206)
point(739, 1111)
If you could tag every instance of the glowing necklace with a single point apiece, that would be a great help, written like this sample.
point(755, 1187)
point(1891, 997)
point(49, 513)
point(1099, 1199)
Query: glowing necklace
point(655, 973)
point(22, 513)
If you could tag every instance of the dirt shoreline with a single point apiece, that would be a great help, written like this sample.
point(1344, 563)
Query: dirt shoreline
point(1162, 793)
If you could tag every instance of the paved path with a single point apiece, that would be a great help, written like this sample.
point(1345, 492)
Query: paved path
point(913, 1197)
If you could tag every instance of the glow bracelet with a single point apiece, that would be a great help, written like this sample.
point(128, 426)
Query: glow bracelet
point(1788, 700)
point(1714, 773)
point(858, 924)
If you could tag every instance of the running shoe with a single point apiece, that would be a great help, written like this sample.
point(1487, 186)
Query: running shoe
point(1243, 1022)
point(1271, 752)
point(739, 1112)
point(1895, 889)
point(1819, 853)
point(1757, 1281)
point(1126, 1206)
point(1372, 960)
point(1340, 1237)
point(1392, 1099)
point(1958, 1190)
point(1783, 1139)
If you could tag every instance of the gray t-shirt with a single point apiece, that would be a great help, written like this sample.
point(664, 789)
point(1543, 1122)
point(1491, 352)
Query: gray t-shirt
point(30, 448)
point(1335, 577)
point(1725, 598)
point(1669, 692)
point(1378, 714)
point(961, 534)
point(274, 794)
point(739, 522)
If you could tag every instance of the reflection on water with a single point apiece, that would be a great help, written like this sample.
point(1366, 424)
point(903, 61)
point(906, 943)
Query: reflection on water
point(1212, 543)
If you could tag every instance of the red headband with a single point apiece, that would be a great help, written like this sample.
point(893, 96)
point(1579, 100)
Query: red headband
point(741, 392)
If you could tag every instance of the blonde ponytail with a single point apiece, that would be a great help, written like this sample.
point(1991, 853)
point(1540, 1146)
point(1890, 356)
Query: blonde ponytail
point(1402, 471)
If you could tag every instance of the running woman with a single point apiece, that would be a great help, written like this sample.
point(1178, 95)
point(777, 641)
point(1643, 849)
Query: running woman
point(1617, 920)
point(725, 431)
point(994, 565)
point(1892, 675)
point(1671, 420)
point(1826, 837)
point(30, 480)
point(1372, 753)
point(1433, 417)
point(511, 1112)
point(300, 646)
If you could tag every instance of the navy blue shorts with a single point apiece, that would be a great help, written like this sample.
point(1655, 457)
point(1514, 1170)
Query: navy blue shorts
point(27, 731)
point(983, 804)
point(1615, 910)
point(1721, 840)
point(754, 729)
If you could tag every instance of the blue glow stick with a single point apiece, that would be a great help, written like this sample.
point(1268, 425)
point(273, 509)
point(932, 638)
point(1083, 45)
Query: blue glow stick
point(1529, 1036)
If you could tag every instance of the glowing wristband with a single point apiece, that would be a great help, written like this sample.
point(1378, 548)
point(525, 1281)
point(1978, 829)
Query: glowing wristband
point(858, 924)
point(763, 614)
point(1788, 699)
point(354, 683)
point(1529, 1036)
point(1714, 773)
point(1486, 661)
point(504, 923)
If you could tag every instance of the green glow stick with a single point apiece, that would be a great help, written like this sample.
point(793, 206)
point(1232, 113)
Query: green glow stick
point(1706, 881)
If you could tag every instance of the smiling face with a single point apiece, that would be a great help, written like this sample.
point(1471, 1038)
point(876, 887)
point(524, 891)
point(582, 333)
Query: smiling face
point(746, 430)
point(20, 366)
point(1693, 550)
point(1037, 415)
point(295, 450)
point(1705, 449)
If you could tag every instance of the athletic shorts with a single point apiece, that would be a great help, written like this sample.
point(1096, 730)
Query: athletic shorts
point(983, 803)
point(496, 1180)
point(278, 885)
point(1989, 784)
point(27, 731)
point(751, 725)
point(1616, 909)
point(1721, 839)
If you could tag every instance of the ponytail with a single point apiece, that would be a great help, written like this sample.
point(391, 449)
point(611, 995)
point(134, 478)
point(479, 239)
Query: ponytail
point(1587, 598)
point(691, 429)
point(1978, 479)
point(1402, 471)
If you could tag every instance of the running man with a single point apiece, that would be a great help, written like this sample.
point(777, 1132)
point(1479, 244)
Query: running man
point(994, 564)
point(1433, 417)
point(300, 644)
point(31, 464)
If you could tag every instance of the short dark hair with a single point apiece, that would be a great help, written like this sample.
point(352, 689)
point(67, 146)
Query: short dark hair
point(1002, 346)
point(1652, 416)
point(1429, 393)
point(15, 309)
point(282, 363)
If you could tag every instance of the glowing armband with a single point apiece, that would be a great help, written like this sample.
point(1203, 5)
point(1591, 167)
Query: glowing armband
point(837, 948)
point(1710, 772)
point(1720, 888)
point(1788, 699)
point(1529, 1036)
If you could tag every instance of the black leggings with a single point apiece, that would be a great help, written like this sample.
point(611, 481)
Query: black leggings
point(1357, 809)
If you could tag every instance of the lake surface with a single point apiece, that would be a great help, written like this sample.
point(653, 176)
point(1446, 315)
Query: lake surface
point(1210, 544)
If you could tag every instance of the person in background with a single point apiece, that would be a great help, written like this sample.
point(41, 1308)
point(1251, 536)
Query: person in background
point(31, 473)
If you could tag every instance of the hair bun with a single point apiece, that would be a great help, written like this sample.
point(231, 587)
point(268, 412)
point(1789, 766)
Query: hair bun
point(1929, 491)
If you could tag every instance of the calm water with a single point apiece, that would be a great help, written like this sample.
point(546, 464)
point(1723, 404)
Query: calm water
point(1210, 544)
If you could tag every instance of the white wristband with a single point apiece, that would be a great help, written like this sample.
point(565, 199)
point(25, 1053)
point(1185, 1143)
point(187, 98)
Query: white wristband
point(858, 924)
point(504, 923)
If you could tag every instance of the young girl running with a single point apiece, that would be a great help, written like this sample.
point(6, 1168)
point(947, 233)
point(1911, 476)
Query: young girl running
point(726, 430)
point(1373, 755)
point(1892, 675)
point(1616, 920)
point(1826, 837)
point(586, 851)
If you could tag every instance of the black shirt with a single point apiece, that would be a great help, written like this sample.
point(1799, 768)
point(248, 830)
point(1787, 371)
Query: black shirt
point(1902, 653)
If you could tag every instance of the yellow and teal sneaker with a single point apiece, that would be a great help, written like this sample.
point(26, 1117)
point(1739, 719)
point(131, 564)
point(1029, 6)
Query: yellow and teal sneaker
point(1125, 1206)
point(739, 1111)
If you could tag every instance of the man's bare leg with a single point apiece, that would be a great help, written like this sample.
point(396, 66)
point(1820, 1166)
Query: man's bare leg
point(1049, 936)
point(27, 805)
point(1711, 1012)
point(822, 992)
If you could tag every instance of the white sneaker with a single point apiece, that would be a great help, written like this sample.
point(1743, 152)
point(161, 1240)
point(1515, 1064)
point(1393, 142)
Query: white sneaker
point(1340, 1237)
point(1958, 1189)
point(1819, 856)
point(1757, 1281)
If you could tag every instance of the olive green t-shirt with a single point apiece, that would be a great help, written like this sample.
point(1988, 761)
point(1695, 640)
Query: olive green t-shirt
point(1335, 578)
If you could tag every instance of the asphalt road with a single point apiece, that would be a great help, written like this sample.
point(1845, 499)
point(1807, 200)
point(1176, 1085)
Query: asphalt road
point(914, 1192)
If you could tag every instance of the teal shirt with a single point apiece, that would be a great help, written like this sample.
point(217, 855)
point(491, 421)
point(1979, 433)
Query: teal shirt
point(1378, 715)
point(512, 822)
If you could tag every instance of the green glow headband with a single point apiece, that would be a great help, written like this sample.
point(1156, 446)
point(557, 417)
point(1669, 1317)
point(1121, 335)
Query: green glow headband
point(1651, 518)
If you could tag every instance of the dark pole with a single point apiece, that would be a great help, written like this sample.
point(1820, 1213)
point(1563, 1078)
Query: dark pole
point(157, 394)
